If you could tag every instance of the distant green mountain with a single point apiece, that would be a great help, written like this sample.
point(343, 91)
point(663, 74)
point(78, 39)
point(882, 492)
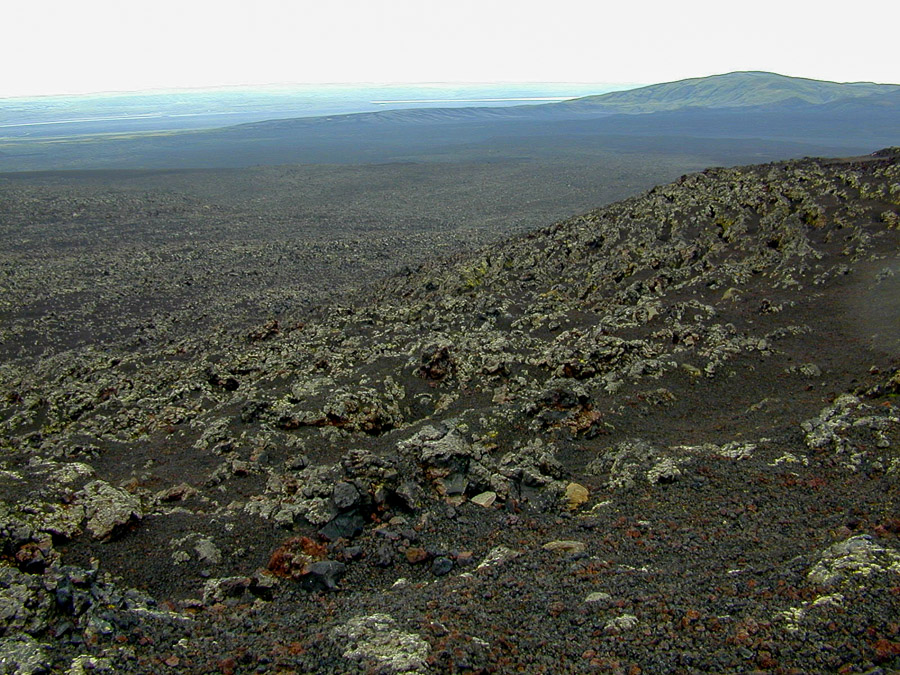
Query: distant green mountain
point(799, 116)
point(731, 90)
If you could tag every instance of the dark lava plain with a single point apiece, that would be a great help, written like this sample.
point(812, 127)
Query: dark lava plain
point(123, 258)
point(658, 437)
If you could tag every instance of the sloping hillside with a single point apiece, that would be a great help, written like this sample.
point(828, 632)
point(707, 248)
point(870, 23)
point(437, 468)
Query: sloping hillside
point(659, 437)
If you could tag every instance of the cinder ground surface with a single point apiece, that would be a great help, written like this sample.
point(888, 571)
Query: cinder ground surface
point(117, 257)
point(661, 436)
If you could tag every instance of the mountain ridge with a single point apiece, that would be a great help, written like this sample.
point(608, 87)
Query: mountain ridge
point(735, 89)
point(740, 89)
point(849, 118)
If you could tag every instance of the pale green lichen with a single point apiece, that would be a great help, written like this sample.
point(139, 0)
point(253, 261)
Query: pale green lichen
point(376, 638)
point(853, 559)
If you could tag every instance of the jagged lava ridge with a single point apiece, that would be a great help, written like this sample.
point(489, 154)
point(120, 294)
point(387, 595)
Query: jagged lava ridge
point(658, 437)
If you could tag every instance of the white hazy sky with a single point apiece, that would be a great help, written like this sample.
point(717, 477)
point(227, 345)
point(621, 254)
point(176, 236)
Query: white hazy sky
point(77, 46)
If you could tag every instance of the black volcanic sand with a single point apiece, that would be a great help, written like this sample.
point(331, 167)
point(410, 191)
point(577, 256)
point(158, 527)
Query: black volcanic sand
point(659, 437)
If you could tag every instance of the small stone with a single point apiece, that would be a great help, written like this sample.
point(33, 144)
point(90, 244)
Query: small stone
point(298, 462)
point(345, 495)
point(455, 484)
point(384, 555)
point(218, 590)
point(415, 555)
point(565, 546)
point(497, 556)
point(263, 583)
point(411, 494)
point(621, 623)
point(33, 558)
point(664, 472)
point(177, 493)
point(323, 575)
point(441, 566)
point(485, 499)
point(597, 597)
point(693, 371)
point(353, 553)
point(343, 526)
point(464, 558)
point(455, 500)
point(576, 495)
point(207, 552)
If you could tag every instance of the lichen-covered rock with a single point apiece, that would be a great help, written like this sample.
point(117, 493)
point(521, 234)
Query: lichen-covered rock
point(693, 311)
point(433, 447)
point(305, 494)
point(736, 450)
point(855, 432)
point(62, 596)
point(85, 665)
point(823, 430)
point(23, 655)
point(447, 461)
point(220, 590)
point(628, 460)
point(15, 531)
point(107, 508)
point(359, 408)
point(581, 355)
point(47, 511)
point(59, 520)
point(497, 556)
point(207, 552)
point(375, 639)
point(794, 617)
point(852, 560)
point(533, 465)
point(567, 546)
point(664, 471)
point(622, 623)
point(176, 493)
point(437, 362)
point(23, 608)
